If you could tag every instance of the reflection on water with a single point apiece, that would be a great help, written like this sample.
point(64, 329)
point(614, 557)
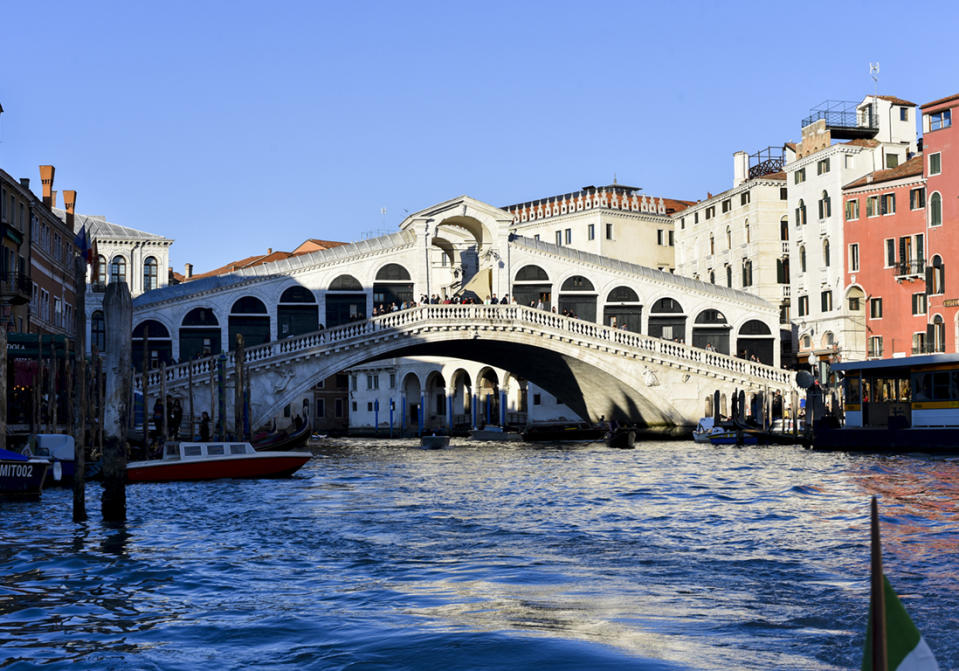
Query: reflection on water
point(382, 555)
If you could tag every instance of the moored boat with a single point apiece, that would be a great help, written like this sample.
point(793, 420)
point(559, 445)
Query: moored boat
point(622, 437)
point(705, 429)
point(564, 431)
point(434, 442)
point(211, 461)
point(284, 439)
point(22, 475)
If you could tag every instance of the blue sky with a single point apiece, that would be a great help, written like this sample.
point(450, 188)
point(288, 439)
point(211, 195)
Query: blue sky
point(232, 127)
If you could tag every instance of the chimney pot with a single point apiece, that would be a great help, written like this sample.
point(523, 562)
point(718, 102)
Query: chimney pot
point(25, 182)
point(46, 178)
point(69, 204)
point(269, 250)
point(188, 270)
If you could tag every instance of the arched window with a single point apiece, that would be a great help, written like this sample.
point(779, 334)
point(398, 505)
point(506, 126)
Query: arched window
point(938, 334)
point(577, 283)
point(346, 283)
point(392, 272)
point(936, 276)
point(802, 258)
point(622, 295)
point(729, 238)
point(531, 274)
point(747, 273)
point(149, 273)
point(729, 275)
point(101, 270)
point(801, 213)
point(825, 208)
point(118, 269)
point(98, 332)
point(712, 244)
point(749, 237)
point(825, 253)
point(935, 209)
point(784, 229)
point(712, 276)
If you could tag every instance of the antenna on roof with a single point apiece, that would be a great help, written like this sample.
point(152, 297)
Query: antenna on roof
point(614, 178)
point(874, 73)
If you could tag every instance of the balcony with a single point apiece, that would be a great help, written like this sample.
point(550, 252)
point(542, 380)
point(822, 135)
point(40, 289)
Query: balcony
point(766, 161)
point(843, 120)
point(15, 288)
point(910, 269)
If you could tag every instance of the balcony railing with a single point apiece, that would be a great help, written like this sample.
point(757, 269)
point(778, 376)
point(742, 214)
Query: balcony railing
point(15, 287)
point(844, 119)
point(914, 268)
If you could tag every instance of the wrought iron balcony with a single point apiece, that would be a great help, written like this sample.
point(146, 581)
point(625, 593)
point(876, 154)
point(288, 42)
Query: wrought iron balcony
point(766, 162)
point(15, 288)
point(914, 268)
point(844, 120)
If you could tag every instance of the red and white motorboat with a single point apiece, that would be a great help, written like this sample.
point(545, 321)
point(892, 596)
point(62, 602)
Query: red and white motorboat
point(210, 461)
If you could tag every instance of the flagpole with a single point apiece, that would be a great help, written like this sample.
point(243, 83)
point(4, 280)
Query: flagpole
point(878, 597)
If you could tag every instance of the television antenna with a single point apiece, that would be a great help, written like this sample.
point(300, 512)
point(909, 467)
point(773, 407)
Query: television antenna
point(874, 73)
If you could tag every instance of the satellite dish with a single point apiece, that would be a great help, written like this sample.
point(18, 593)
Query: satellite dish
point(805, 379)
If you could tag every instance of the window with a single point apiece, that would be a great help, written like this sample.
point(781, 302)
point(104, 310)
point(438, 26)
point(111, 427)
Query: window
point(695, 217)
point(802, 258)
point(904, 114)
point(149, 274)
point(712, 276)
point(537, 399)
point(939, 120)
point(801, 213)
point(369, 406)
point(569, 236)
point(98, 332)
point(118, 269)
point(783, 193)
point(712, 244)
point(875, 347)
point(875, 308)
point(854, 257)
point(854, 303)
point(825, 253)
point(822, 166)
point(749, 237)
point(729, 238)
point(803, 306)
point(747, 273)
point(591, 232)
point(353, 382)
point(729, 275)
point(659, 237)
point(710, 212)
point(727, 205)
point(919, 303)
point(671, 240)
point(826, 301)
point(935, 163)
point(852, 209)
point(392, 380)
point(559, 238)
point(917, 198)
point(872, 206)
point(744, 198)
point(321, 407)
point(373, 381)
point(890, 253)
point(919, 342)
point(825, 206)
point(799, 176)
point(888, 203)
point(892, 160)
point(935, 209)
point(609, 231)
point(536, 236)
point(935, 277)
point(338, 407)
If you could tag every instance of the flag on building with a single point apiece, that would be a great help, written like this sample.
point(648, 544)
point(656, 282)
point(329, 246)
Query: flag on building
point(893, 643)
point(82, 243)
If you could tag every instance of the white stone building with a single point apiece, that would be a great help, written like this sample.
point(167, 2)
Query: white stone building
point(739, 238)
point(879, 132)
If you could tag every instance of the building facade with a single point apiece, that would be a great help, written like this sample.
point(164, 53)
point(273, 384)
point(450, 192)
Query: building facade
point(16, 288)
point(879, 133)
point(739, 238)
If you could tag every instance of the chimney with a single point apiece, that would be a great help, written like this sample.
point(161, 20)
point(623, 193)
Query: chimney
point(269, 250)
point(69, 203)
point(188, 270)
point(740, 167)
point(46, 178)
point(25, 183)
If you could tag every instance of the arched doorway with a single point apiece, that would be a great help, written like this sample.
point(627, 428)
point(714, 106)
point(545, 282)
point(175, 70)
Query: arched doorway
point(392, 286)
point(623, 310)
point(531, 287)
point(435, 411)
point(248, 317)
point(199, 334)
point(667, 321)
point(711, 331)
point(345, 301)
point(937, 334)
point(296, 312)
point(411, 395)
point(488, 397)
point(755, 340)
point(461, 387)
point(577, 298)
point(159, 345)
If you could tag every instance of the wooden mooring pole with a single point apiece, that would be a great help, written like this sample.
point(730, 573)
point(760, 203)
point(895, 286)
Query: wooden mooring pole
point(118, 313)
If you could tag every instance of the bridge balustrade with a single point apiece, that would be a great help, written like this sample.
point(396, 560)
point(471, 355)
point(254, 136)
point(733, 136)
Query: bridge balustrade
point(481, 315)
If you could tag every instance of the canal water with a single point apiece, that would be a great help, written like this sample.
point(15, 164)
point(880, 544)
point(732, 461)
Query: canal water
point(380, 555)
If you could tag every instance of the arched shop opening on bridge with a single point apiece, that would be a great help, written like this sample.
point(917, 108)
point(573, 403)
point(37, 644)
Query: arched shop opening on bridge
point(532, 287)
point(411, 397)
point(435, 400)
point(392, 286)
point(462, 389)
point(159, 345)
point(577, 298)
point(667, 320)
point(755, 340)
point(488, 398)
point(199, 334)
point(248, 317)
point(623, 310)
point(345, 301)
point(711, 331)
point(296, 313)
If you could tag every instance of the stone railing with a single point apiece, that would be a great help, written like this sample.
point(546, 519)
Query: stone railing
point(480, 317)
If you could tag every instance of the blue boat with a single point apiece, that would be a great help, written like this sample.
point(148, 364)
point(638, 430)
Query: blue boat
point(21, 476)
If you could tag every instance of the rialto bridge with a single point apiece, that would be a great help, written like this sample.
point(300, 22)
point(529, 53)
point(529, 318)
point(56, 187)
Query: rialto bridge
point(644, 345)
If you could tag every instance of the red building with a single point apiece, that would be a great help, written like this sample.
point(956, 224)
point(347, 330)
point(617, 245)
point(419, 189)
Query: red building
point(884, 227)
point(941, 151)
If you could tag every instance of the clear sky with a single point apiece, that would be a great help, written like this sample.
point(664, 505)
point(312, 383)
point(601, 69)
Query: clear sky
point(236, 126)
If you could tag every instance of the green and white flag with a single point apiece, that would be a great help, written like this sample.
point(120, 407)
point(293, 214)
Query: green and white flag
point(906, 649)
